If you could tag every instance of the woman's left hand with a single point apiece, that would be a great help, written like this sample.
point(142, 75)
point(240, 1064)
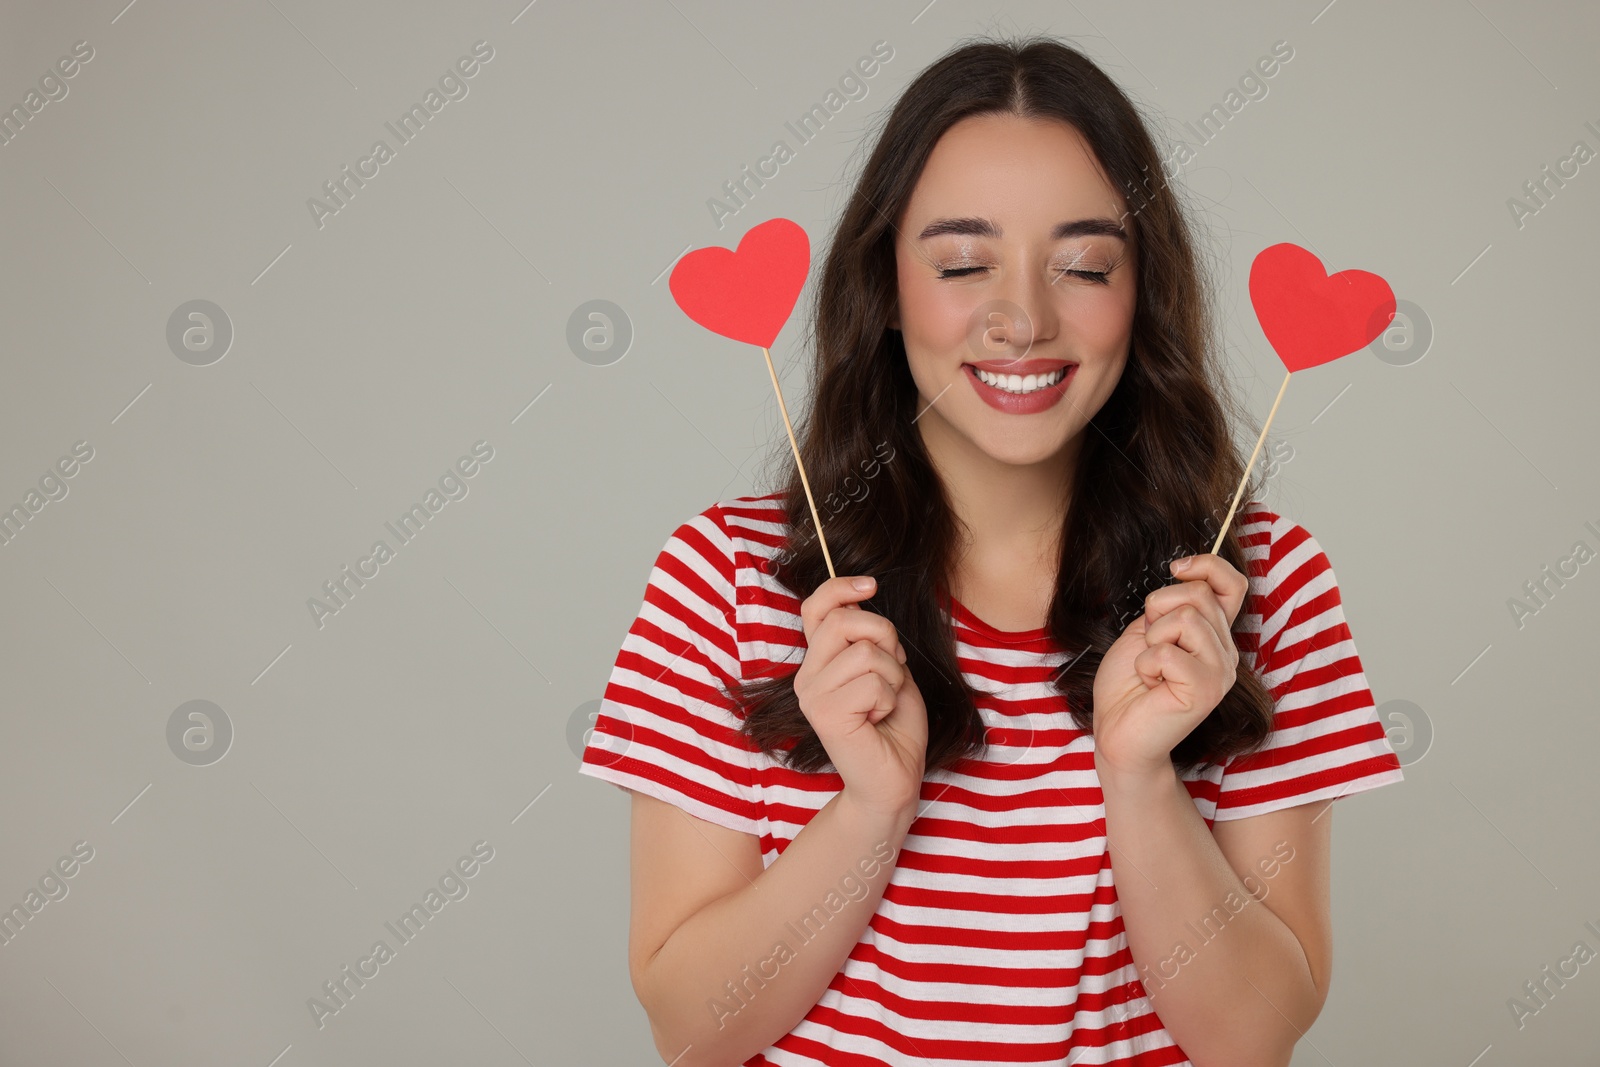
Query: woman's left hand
point(1169, 668)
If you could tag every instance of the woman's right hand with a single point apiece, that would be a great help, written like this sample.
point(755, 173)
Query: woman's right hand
point(856, 692)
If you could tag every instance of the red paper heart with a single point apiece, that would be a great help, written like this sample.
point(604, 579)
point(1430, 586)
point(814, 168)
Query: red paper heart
point(1311, 317)
point(745, 294)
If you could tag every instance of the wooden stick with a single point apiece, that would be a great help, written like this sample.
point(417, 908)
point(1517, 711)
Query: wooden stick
point(1250, 466)
point(815, 518)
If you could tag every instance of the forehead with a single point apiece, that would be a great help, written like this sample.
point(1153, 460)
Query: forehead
point(1007, 167)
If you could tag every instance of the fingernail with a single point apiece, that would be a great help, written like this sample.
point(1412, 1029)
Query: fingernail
point(862, 584)
point(1181, 564)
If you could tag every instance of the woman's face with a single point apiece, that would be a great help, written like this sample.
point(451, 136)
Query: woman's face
point(1009, 260)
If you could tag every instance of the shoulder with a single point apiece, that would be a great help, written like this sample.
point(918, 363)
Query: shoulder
point(754, 525)
point(1286, 562)
point(732, 544)
point(1295, 604)
point(752, 533)
point(735, 534)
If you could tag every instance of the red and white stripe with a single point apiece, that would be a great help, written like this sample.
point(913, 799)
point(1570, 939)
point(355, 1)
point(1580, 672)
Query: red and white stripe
point(999, 938)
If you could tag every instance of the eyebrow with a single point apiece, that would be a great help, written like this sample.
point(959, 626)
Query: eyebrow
point(979, 227)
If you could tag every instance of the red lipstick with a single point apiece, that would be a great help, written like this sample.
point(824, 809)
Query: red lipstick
point(1020, 403)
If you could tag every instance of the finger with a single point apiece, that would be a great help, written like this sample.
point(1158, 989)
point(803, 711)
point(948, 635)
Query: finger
point(1196, 683)
point(843, 628)
point(1195, 596)
point(833, 593)
point(868, 694)
point(1188, 591)
point(871, 693)
point(1169, 663)
point(861, 658)
point(886, 705)
point(1189, 629)
point(866, 697)
point(1226, 583)
point(829, 630)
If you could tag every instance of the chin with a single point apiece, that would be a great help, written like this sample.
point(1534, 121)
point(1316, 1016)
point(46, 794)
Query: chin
point(1022, 449)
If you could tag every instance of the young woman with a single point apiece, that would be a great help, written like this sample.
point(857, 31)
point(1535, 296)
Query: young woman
point(1018, 786)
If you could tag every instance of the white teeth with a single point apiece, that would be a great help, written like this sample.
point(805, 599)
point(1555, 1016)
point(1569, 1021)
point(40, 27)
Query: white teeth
point(1016, 383)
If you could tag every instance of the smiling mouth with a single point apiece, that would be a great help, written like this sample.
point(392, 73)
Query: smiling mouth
point(1022, 384)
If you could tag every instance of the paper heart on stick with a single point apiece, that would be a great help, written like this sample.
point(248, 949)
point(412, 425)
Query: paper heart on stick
point(746, 294)
point(1311, 317)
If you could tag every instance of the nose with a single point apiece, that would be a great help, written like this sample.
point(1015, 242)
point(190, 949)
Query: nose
point(1024, 315)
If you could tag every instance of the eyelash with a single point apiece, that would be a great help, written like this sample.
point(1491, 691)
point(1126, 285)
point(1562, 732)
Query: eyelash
point(1098, 277)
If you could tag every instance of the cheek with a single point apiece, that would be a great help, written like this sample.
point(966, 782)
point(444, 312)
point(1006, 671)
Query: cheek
point(1107, 321)
point(943, 323)
point(932, 314)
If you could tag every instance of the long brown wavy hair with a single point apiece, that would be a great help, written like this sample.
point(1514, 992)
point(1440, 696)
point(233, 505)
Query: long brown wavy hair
point(1156, 472)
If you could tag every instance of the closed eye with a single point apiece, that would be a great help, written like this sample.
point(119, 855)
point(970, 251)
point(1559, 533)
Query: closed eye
point(1100, 277)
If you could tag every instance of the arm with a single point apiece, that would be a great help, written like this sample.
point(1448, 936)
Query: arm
point(1235, 980)
point(704, 946)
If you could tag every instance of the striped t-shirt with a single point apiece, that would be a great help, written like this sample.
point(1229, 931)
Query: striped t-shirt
point(999, 938)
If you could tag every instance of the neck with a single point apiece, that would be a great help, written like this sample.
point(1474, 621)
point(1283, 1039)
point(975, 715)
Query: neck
point(1010, 515)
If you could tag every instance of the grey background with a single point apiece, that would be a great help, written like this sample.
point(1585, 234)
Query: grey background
point(440, 707)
